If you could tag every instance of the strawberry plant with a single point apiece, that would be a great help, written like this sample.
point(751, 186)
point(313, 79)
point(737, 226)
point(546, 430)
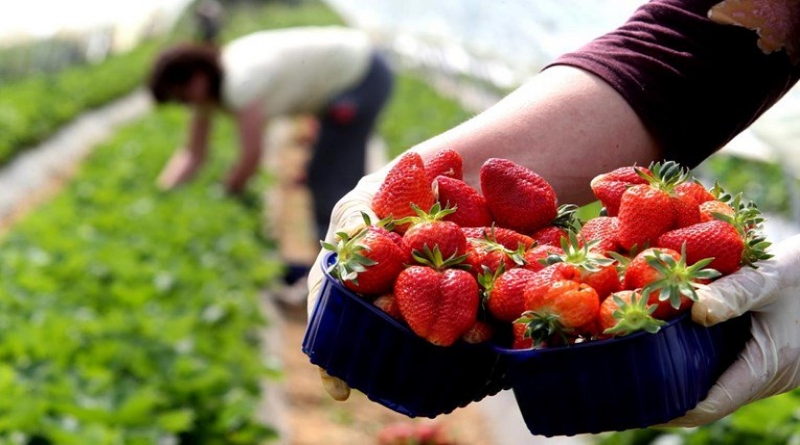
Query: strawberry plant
point(131, 315)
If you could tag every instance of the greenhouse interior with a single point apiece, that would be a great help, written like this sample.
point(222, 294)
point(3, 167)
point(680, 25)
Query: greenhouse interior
point(139, 308)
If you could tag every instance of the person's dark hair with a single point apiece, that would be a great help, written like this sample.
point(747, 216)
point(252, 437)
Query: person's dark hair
point(175, 66)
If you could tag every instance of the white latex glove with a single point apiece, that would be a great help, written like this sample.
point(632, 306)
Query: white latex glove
point(770, 362)
point(346, 217)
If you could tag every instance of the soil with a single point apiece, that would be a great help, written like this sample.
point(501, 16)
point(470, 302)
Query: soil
point(313, 417)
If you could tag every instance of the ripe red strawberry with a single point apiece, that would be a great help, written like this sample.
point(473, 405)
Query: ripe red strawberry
point(709, 208)
point(566, 309)
point(470, 206)
point(511, 239)
point(559, 228)
point(428, 231)
point(480, 332)
point(447, 162)
point(487, 256)
point(505, 296)
point(626, 312)
point(438, 302)
point(645, 213)
point(518, 198)
point(406, 183)
point(594, 269)
point(648, 210)
point(712, 239)
point(388, 303)
point(609, 187)
point(603, 231)
point(665, 279)
point(520, 341)
point(535, 257)
point(693, 191)
point(687, 211)
point(369, 261)
point(541, 281)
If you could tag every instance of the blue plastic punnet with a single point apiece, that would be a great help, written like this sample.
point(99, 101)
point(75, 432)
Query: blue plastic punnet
point(629, 382)
point(357, 342)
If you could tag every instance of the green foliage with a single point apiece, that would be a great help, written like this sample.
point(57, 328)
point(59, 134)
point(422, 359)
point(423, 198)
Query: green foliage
point(762, 182)
point(772, 421)
point(131, 316)
point(32, 109)
point(270, 15)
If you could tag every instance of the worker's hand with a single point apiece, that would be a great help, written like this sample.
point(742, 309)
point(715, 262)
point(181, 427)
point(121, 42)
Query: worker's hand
point(770, 362)
point(346, 217)
point(179, 169)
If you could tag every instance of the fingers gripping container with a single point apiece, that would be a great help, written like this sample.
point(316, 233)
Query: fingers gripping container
point(357, 342)
point(629, 382)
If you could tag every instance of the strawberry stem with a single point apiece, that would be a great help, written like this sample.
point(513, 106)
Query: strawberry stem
point(634, 316)
point(678, 279)
point(542, 327)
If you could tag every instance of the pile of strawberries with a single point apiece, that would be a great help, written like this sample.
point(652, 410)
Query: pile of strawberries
point(508, 263)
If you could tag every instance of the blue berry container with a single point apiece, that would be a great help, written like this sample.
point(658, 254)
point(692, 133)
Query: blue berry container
point(374, 353)
point(617, 384)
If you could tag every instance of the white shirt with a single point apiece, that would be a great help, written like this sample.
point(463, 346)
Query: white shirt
point(293, 70)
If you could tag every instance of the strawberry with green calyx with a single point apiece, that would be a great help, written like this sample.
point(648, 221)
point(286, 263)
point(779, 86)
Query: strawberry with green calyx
point(406, 183)
point(609, 187)
point(438, 300)
point(666, 280)
point(733, 241)
point(565, 221)
point(626, 312)
point(446, 162)
point(708, 210)
point(470, 205)
point(504, 292)
point(565, 310)
point(367, 262)
point(719, 204)
point(519, 339)
point(429, 229)
point(594, 269)
point(518, 198)
point(487, 254)
point(648, 210)
point(747, 220)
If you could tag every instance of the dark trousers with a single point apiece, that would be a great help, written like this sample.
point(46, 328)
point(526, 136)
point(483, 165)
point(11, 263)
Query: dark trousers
point(337, 162)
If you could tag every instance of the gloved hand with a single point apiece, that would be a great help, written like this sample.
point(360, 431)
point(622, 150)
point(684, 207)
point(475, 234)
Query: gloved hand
point(346, 217)
point(770, 362)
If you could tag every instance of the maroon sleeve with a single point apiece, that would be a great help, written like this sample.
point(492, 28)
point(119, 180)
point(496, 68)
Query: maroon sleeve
point(694, 83)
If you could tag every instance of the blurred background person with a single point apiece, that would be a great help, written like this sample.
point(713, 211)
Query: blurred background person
point(333, 73)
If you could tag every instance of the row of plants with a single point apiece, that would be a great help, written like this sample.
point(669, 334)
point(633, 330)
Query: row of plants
point(129, 315)
point(33, 108)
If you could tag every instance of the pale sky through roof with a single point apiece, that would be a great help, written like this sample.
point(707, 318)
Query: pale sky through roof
point(43, 18)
